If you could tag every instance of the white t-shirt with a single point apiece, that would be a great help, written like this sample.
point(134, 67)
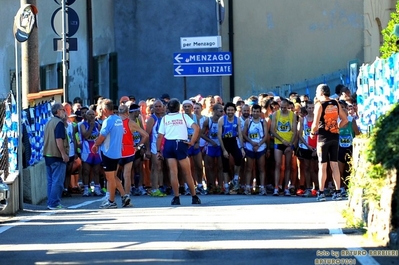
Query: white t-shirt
point(174, 126)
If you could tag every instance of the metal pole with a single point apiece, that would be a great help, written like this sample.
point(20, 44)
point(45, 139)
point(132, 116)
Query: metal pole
point(64, 52)
point(19, 128)
point(184, 88)
point(219, 49)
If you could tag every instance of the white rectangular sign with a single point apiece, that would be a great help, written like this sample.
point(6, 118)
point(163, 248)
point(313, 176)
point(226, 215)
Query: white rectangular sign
point(200, 42)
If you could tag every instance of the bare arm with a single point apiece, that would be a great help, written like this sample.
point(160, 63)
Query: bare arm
point(149, 125)
point(355, 128)
point(240, 132)
point(204, 131)
point(316, 119)
point(220, 130)
point(245, 132)
point(294, 130)
point(196, 133)
point(343, 117)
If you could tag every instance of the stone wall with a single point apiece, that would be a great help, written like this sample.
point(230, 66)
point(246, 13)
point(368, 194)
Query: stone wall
point(376, 214)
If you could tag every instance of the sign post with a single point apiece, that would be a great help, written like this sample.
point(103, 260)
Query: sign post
point(68, 27)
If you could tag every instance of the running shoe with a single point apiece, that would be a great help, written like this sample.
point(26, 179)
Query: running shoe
point(314, 193)
point(108, 205)
point(142, 191)
point(86, 192)
point(275, 193)
point(307, 193)
point(175, 201)
point(236, 185)
point(300, 192)
point(195, 200)
point(97, 191)
point(269, 188)
point(321, 197)
point(58, 207)
point(287, 192)
point(247, 190)
point(226, 191)
point(337, 196)
point(262, 192)
point(201, 190)
point(125, 200)
point(187, 192)
point(157, 193)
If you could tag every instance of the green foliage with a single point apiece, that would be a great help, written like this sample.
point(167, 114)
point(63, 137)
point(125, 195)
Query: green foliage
point(389, 45)
point(383, 147)
point(351, 221)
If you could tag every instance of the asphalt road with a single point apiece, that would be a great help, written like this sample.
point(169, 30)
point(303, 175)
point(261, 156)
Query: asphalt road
point(225, 229)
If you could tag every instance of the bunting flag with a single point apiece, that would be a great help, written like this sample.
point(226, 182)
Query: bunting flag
point(377, 90)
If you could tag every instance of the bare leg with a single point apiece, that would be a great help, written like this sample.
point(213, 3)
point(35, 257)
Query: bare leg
point(185, 167)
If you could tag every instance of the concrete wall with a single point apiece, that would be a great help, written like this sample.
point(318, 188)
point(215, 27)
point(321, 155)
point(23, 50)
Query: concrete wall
point(289, 41)
point(13, 201)
point(148, 33)
point(275, 42)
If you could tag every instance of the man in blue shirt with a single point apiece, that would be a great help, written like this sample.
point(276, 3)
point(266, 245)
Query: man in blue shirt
point(110, 143)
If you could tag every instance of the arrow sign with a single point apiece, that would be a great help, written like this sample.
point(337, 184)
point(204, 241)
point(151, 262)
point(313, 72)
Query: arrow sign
point(178, 58)
point(178, 70)
point(202, 64)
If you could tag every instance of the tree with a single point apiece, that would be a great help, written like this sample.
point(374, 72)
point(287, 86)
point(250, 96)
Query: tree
point(391, 41)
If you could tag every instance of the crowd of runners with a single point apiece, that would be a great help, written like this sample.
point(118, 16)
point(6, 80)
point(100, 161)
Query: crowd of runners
point(263, 145)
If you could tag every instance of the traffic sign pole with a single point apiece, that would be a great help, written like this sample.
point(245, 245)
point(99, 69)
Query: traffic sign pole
point(64, 53)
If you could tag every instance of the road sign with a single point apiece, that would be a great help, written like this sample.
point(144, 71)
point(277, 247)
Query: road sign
point(200, 42)
point(72, 25)
point(71, 44)
point(68, 2)
point(202, 64)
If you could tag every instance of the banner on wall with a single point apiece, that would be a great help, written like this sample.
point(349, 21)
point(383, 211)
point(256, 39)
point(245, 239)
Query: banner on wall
point(377, 90)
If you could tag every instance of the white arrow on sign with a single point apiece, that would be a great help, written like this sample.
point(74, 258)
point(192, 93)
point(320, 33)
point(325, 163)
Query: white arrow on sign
point(178, 58)
point(179, 70)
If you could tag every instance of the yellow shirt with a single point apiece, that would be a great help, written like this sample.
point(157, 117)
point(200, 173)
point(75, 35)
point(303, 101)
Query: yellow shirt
point(284, 126)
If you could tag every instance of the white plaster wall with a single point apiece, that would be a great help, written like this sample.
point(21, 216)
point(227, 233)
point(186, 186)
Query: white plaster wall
point(8, 10)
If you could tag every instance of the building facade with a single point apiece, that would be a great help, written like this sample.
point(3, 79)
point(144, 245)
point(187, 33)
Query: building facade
point(126, 47)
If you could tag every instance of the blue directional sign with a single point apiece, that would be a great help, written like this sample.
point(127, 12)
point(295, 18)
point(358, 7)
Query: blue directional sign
point(202, 64)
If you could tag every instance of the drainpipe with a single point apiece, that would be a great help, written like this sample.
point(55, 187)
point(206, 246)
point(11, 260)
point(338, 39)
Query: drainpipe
point(231, 46)
point(90, 84)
